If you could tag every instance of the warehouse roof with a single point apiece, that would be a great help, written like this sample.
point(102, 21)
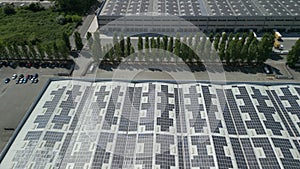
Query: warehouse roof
point(203, 7)
point(78, 124)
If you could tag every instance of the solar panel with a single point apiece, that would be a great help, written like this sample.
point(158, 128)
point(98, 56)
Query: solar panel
point(160, 125)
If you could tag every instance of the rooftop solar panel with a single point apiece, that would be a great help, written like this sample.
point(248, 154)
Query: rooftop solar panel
point(159, 125)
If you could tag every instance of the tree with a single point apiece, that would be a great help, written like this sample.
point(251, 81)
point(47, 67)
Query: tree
point(140, 44)
point(9, 9)
point(122, 45)
point(211, 37)
point(131, 50)
point(74, 6)
point(3, 52)
point(244, 36)
point(117, 51)
point(190, 40)
point(32, 51)
point(78, 40)
point(250, 38)
point(41, 51)
point(237, 37)
point(264, 48)
point(230, 38)
point(115, 38)
point(184, 49)
point(170, 45)
point(217, 41)
point(158, 42)
point(49, 51)
point(147, 46)
point(66, 39)
point(222, 51)
point(253, 51)
point(244, 53)
point(177, 46)
point(207, 50)
point(55, 50)
point(128, 46)
point(197, 39)
point(24, 50)
point(165, 42)
point(88, 35)
point(294, 54)
point(17, 52)
point(96, 48)
point(153, 43)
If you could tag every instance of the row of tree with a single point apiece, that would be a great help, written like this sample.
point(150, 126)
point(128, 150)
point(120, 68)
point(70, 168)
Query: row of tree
point(231, 49)
point(59, 49)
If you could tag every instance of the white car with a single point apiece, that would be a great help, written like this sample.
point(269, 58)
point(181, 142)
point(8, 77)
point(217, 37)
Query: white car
point(14, 76)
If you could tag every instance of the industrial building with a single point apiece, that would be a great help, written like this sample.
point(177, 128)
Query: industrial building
point(159, 125)
point(207, 15)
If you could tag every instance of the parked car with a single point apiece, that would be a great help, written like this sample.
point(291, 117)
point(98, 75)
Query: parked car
point(14, 76)
point(6, 80)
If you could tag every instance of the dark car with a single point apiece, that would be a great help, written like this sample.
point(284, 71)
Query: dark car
point(21, 76)
point(36, 75)
point(28, 65)
point(6, 80)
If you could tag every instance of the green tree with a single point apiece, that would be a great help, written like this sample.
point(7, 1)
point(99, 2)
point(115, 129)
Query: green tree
point(122, 45)
point(147, 46)
point(78, 40)
point(222, 51)
point(115, 38)
point(237, 37)
point(197, 40)
point(207, 50)
point(211, 37)
point(33, 53)
point(294, 54)
point(217, 41)
point(55, 50)
point(88, 35)
point(230, 38)
point(264, 48)
point(184, 49)
point(128, 46)
point(250, 38)
point(3, 52)
point(170, 45)
point(190, 40)
point(253, 51)
point(9, 9)
point(165, 42)
point(17, 52)
point(66, 39)
point(24, 50)
point(158, 42)
point(177, 46)
point(244, 36)
point(153, 43)
point(132, 50)
point(41, 51)
point(140, 44)
point(96, 48)
point(244, 53)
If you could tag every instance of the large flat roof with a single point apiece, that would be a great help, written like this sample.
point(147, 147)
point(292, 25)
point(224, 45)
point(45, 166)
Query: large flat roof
point(203, 7)
point(80, 124)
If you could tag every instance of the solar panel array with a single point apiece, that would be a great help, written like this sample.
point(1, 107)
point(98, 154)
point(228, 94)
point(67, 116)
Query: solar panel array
point(203, 7)
point(80, 124)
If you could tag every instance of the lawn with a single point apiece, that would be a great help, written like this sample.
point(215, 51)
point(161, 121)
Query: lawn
point(25, 25)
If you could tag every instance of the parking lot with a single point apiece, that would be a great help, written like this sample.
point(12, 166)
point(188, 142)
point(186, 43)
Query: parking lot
point(15, 99)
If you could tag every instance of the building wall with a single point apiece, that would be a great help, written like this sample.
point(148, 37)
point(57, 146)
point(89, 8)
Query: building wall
point(209, 23)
